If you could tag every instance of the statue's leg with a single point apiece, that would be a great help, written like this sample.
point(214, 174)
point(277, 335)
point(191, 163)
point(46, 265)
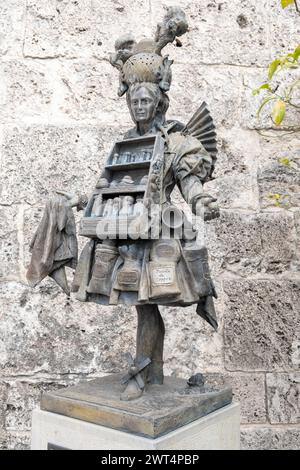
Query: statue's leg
point(149, 343)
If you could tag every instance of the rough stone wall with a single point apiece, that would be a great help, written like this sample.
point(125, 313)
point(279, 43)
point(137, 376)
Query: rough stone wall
point(59, 115)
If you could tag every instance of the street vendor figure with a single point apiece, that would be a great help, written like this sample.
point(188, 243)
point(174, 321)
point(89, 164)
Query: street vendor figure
point(142, 251)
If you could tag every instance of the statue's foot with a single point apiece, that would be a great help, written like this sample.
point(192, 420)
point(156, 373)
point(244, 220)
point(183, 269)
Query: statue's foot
point(132, 391)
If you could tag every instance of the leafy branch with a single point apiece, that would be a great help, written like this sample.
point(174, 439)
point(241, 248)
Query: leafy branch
point(287, 97)
point(281, 100)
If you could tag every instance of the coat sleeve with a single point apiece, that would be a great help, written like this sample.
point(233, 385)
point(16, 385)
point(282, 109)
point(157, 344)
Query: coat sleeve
point(191, 171)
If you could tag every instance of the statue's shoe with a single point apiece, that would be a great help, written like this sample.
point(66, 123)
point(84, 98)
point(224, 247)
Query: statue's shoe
point(132, 391)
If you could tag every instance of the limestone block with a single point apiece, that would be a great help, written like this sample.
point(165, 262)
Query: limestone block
point(283, 392)
point(295, 353)
point(3, 397)
point(277, 241)
point(278, 145)
point(249, 391)
point(3, 441)
point(40, 160)
point(253, 78)
point(296, 263)
point(26, 89)
point(9, 245)
point(238, 152)
point(234, 243)
point(270, 438)
point(219, 87)
point(12, 16)
point(58, 335)
point(235, 183)
point(16, 440)
point(84, 28)
point(56, 29)
point(90, 92)
point(284, 29)
point(23, 397)
point(31, 219)
point(249, 243)
point(235, 191)
point(215, 260)
point(276, 178)
point(259, 326)
point(191, 344)
point(222, 32)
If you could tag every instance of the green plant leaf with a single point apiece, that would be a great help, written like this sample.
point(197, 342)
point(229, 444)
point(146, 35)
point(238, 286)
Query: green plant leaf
point(272, 68)
point(286, 3)
point(264, 103)
point(278, 112)
point(296, 53)
point(265, 86)
point(285, 161)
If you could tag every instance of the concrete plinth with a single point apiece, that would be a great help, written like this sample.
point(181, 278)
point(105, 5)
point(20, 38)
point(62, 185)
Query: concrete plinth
point(218, 430)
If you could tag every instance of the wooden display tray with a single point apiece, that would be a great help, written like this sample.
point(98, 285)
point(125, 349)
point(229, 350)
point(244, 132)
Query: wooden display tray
point(128, 166)
point(122, 189)
point(88, 226)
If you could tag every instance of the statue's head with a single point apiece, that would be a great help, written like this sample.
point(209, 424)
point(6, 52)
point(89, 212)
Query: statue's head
point(147, 102)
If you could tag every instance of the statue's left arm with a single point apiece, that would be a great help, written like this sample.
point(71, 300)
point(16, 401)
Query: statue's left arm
point(192, 170)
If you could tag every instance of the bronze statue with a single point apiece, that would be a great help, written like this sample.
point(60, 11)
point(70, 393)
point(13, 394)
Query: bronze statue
point(142, 251)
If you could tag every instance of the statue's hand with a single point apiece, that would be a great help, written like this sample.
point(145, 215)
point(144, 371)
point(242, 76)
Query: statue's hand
point(75, 200)
point(207, 208)
point(72, 198)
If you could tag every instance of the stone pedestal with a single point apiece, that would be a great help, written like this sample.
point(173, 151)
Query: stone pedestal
point(219, 430)
point(169, 416)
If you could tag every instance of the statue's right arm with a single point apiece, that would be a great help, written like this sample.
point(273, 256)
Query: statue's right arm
point(75, 199)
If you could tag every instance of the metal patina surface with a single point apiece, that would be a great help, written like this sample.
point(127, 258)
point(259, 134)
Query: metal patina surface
point(162, 409)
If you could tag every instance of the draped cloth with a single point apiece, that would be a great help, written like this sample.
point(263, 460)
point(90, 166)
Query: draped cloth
point(54, 244)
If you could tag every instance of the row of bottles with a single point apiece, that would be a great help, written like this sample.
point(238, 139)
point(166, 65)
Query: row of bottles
point(131, 157)
point(118, 206)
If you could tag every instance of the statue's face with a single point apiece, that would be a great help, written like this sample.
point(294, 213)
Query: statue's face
point(143, 105)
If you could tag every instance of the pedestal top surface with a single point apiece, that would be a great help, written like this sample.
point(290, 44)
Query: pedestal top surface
point(161, 409)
